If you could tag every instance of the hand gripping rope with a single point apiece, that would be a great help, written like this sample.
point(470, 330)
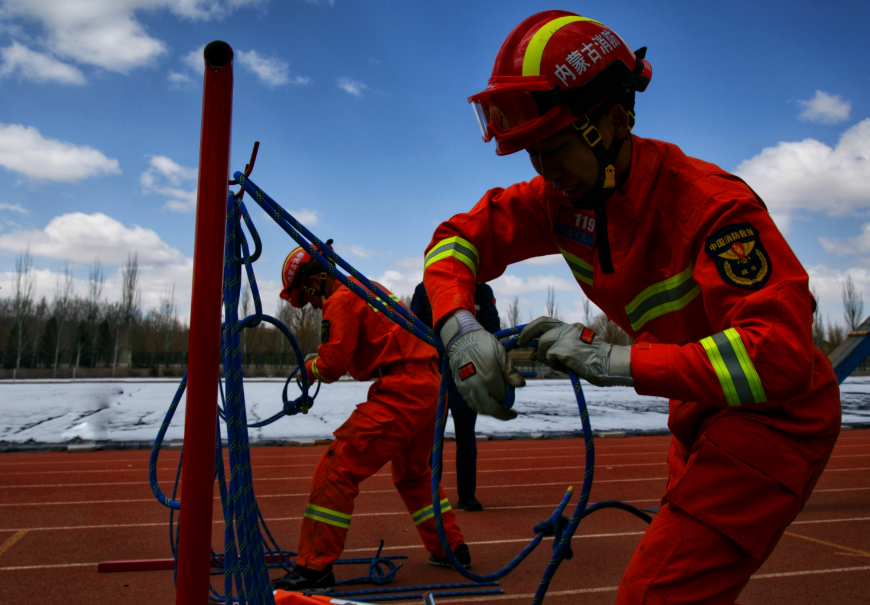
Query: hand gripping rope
point(561, 528)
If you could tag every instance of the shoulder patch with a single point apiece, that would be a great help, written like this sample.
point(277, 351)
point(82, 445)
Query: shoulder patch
point(740, 256)
point(324, 331)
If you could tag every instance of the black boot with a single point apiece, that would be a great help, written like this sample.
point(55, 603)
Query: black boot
point(302, 578)
point(470, 504)
point(460, 552)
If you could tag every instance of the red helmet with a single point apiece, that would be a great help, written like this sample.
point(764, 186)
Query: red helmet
point(298, 266)
point(554, 68)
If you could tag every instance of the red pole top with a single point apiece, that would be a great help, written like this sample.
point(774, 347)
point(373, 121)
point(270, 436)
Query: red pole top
point(203, 369)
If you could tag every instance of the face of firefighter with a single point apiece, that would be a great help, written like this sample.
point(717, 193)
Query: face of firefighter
point(310, 292)
point(567, 162)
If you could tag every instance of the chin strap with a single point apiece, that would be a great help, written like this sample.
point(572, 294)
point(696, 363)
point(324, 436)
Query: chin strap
point(595, 200)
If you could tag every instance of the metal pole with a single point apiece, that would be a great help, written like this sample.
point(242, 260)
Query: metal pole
point(197, 473)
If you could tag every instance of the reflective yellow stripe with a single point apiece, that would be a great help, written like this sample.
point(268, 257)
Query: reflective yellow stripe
point(317, 374)
point(672, 294)
point(428, 512)
point(535, 49)
point(454, 247)
point(333, 517)
point(734, 368)
point(376, 310)
point(580, 268)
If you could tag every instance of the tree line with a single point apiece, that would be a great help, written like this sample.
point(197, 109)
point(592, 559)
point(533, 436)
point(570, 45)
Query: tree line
point(83, 333)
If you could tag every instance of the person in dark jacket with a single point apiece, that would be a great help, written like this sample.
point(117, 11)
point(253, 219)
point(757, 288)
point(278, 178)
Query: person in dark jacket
point(464, 418)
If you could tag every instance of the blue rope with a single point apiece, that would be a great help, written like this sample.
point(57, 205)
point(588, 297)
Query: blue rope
point(244, 560)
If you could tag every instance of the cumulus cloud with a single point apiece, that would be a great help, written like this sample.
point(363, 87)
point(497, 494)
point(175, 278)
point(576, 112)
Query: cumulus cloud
point(38, 67)
point(167, 177)
point(811, 176)
point(825, 109)
point(351, 86)
point(106, 33)
point(828, 284)
point(406, 273)
point(23, 149)
point(271, 70)
point(194, 60)
point(80, 238)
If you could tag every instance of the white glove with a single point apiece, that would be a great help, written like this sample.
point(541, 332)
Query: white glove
point(574, 346)
point(480, 366)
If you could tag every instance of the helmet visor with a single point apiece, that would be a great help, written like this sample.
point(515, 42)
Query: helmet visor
point(507, 109)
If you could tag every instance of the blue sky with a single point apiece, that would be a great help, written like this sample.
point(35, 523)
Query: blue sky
point(366, 134)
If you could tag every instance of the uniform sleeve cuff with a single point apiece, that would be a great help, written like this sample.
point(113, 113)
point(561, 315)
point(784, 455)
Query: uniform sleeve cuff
point(651, 369)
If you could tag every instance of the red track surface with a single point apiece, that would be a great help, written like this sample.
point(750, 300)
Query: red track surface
point(64, 513)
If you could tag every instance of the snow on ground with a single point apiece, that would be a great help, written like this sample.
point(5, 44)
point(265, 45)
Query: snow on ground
point(133, 410)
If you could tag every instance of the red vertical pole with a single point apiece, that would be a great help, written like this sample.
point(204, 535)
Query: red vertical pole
point(197, 472)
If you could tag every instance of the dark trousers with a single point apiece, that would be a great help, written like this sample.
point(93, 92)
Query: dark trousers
point(466, 451)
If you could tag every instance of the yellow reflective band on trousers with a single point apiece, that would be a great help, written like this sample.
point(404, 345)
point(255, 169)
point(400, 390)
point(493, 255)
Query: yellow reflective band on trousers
point(428, 512)
point(535, 49)
point(454, 247)
point(579, 267)
point(666, 296)
point(737, 375)
point(317, 374)
point(333, 517)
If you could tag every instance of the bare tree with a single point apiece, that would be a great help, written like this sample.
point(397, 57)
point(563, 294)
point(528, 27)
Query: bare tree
point(609, 331)
point(853, 305)
point(818, 321)
point(303, 323)
point(552, 309)
point(61, 306)
point(168, 318)
point(131, 300)
point(22, 303)
point(835, 335)
point(513, 312)
point(96, 280)
point(39, 315)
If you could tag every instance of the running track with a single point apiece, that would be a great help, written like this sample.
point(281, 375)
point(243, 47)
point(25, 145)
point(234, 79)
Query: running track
point(63, 513)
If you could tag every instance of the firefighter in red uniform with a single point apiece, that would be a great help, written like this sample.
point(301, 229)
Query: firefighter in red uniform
point(685, 258)
point(396, 424)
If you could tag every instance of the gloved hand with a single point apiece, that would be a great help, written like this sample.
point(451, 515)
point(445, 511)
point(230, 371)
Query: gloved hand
point(310, 356)
point(480, 365)
point(575, 347)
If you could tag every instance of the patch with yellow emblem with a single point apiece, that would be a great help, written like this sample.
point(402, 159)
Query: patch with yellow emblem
point(324, 331)
point(739, 256)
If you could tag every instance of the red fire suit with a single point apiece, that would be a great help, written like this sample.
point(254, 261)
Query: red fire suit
point(396, 424)
point(721, 313)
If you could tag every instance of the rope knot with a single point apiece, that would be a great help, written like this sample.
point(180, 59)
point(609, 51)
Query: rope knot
point(555, 526)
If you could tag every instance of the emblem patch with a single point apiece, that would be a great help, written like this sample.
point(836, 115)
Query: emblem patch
point(575, 225)
point(324, 331)
point(587, 336)
point(467, 371)
point(739, 255)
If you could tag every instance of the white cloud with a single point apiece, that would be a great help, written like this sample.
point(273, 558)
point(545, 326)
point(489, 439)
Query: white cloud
point(272, 71)
point(167, 177)
point(13, 208)
point(329, 2)
point(402, 280)
point(359, 251)
point(81, 238)
point(36, 66)
point(512, 285)
point(852, 246)
point(828, 284)
point(351, 86)
point(106, 33)
point(195, 60)
point(25, 150)
point(550, 259)
point(811, 176)
point(179, 79)
point(825, 109)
